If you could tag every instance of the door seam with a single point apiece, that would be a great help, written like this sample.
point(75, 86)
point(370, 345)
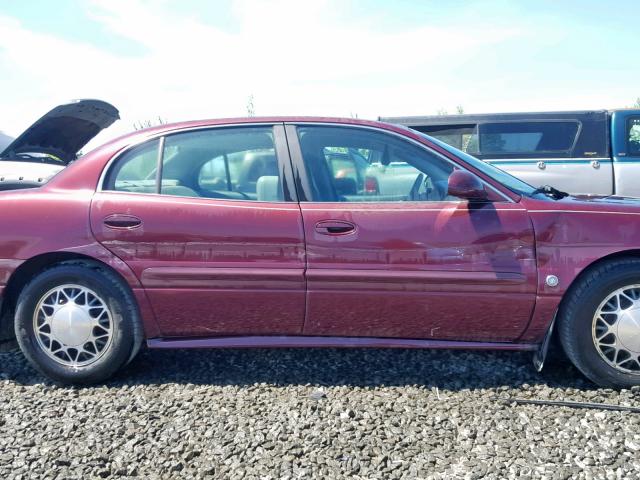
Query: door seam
point(304, 239)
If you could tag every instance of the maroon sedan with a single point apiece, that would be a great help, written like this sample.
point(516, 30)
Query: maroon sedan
point(287, 232)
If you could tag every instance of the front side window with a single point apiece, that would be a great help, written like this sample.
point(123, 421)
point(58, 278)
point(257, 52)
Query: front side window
point(224, 163)
point(527, 137)
point(356, 165)
point(512, 183)
point(633, 136)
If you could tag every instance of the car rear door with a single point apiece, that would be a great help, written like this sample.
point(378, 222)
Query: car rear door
point(215, 235)
point(400, 258)
point(625, 126)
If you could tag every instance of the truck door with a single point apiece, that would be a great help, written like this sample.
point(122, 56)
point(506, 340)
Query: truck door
point(626, 152)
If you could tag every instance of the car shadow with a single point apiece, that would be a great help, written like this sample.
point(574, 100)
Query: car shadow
point(445, 369)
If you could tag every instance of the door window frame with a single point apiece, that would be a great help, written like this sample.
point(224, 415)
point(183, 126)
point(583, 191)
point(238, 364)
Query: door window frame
point(303, 183)
point(281, 150)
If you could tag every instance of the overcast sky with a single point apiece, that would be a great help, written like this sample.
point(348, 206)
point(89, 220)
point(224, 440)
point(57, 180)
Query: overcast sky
point(202, 59)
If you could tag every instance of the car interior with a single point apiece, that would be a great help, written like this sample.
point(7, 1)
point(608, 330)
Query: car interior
point(236, 165)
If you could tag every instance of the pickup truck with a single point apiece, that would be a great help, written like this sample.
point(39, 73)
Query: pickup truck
point(580, 152)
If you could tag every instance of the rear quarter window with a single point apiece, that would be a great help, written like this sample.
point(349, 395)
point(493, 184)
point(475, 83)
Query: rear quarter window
point(135, 170)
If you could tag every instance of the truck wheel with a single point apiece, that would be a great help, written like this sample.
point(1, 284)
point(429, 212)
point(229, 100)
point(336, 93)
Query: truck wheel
point(599, 323)
point(76, 324)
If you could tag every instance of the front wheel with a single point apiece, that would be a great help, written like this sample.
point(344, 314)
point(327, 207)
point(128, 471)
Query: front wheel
point(77, 324)
point(599, 324)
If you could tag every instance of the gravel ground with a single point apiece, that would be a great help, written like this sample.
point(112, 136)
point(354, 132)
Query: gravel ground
point(278, 414)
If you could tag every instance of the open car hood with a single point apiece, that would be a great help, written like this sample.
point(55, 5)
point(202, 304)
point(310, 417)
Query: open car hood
point(62, 132)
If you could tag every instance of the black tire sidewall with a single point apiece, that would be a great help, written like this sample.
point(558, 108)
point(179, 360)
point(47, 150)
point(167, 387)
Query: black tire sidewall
point(587, 358)
point(122, 342)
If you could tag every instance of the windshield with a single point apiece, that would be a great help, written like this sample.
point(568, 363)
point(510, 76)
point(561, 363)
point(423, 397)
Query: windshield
point(512, 183)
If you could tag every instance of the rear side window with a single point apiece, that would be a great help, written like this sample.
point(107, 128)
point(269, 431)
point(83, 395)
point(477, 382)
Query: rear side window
point(356, 165)
point(225, 163)
point(135, 171)
point(230, 163)
point(238, 171)
point(633, 136)
point(527, 137)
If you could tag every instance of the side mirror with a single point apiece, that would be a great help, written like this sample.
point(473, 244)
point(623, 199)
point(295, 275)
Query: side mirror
point(463, 184)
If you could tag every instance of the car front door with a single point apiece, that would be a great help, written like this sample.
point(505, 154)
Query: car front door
point(214, 235)
point(397, 256)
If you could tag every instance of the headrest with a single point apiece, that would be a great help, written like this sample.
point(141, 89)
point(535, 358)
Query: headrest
point(268, 189)
point(345, 186)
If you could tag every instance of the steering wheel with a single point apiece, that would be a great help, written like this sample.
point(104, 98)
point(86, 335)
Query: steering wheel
point(414, 192)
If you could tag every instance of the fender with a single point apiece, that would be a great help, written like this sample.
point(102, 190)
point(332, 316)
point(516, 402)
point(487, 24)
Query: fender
point(572, 235)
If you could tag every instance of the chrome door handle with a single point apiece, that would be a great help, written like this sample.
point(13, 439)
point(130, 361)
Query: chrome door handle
point(122, 222)
point(335, 227)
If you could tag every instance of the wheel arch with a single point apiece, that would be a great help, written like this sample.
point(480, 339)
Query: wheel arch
point(632, 253)
point(623, 254)
point(27, 270)
point(548, 307)
point(575, 315)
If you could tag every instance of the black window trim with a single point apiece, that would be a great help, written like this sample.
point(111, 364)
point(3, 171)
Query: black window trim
point(303, 183)
point(160, 165)
point(280, 144)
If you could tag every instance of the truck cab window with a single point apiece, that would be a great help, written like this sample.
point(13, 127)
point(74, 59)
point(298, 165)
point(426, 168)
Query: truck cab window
point(633, 136)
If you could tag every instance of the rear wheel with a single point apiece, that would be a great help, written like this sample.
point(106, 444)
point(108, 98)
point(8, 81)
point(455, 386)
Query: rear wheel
point(599, 324)
point(77, 324)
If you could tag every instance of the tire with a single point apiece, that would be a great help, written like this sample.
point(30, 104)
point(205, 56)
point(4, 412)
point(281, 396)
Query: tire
point(77, 323)
point(604, 347)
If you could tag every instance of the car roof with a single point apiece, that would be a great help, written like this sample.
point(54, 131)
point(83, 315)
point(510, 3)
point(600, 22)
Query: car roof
point(167, 128)
point(275, 119)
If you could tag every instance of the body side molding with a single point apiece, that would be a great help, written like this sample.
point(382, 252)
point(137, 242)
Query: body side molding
point(334, 342)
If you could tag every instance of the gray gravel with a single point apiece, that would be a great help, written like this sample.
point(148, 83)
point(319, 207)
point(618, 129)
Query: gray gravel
point(278, 414)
